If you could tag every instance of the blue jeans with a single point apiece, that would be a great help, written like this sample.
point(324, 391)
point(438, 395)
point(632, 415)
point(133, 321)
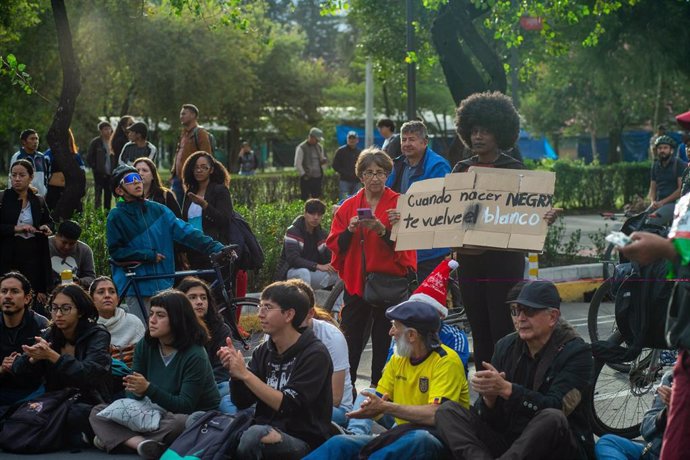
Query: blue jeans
point(363, 425)
point(413, 445)
point(176, 187)
point(347, 188)
point(226, 406)
point(288, 448)
point(612, 447)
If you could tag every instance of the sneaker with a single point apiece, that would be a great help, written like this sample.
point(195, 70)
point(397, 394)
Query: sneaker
point(98, 444)
point(150, 449)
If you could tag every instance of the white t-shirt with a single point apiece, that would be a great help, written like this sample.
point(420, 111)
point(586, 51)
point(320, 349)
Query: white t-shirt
point(335, 342)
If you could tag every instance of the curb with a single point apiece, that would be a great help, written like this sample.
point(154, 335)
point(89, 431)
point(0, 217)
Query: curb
point(574, 291)
point(573, 281)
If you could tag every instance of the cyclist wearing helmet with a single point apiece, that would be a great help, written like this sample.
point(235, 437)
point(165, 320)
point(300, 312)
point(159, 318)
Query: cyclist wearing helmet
point(144, 231)
point(665, 184)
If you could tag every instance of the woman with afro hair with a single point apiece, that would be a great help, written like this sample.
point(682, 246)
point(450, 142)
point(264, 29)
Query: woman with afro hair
point(488, 125)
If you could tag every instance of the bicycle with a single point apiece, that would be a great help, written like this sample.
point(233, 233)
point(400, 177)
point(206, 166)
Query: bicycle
point(222, 287)
point(622, 391)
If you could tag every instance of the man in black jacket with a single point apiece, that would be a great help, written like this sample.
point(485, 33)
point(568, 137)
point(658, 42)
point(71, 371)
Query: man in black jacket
point(102, 162)
point(19, 325)
point(305, 255)
point(532, 393)
point(289, 379)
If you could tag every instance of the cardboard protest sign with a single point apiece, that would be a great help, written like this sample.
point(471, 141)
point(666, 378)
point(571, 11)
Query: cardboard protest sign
point(484, 207)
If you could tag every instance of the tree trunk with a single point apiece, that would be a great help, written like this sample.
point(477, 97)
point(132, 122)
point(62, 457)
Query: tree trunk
point(58, 135)
point(233, 146)
point(615, 153)
point(454, 22)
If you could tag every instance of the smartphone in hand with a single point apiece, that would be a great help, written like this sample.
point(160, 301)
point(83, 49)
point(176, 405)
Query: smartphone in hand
point(364, 213)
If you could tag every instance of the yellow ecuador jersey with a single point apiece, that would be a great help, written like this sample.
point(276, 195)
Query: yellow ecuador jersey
point(438, 378)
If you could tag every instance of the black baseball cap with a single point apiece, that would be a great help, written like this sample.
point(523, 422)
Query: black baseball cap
point(140, 128)
point(538, 294)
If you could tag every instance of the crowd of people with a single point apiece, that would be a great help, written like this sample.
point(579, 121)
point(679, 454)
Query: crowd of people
point(167, 351)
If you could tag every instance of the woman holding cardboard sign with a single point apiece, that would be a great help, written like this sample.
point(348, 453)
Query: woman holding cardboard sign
point(362, 251)
point(488, 124)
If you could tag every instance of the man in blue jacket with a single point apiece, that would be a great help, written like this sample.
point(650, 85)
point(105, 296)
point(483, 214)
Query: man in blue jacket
point(418, 162)
point(144, 231)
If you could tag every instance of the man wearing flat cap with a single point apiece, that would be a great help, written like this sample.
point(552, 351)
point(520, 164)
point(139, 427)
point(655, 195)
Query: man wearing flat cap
point(421, 375)
point(532, 394)
point(309, 161)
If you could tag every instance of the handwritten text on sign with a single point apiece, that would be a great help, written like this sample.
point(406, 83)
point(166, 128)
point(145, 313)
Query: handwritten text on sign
point(494, 208)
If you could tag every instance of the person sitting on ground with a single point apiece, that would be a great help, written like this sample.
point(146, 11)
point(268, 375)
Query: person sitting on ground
point(139, 230)
point(305, 255)
point(614, 447)
point(68, 253)
point(321, 323)
point(434, 291)
point(420, 376)
point(201, 298)
point(531, 391)
point(170, 367)
point(126, 330)
point(74, 352)
point(19, 325)
point(137, 146)
point(289, 379)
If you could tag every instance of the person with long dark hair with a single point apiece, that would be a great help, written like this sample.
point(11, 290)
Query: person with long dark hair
point(25, 225)
point(171, 367)
point(207, 204)
point(204, 304)
point(120, 136)
point(74, 352)
point(153, 186)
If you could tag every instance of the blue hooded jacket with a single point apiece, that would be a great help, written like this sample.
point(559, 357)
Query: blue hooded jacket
point(139, 230)
point(432, 166)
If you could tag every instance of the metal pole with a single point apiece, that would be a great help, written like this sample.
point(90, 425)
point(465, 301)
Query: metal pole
point(411, 80)
point(369, 105)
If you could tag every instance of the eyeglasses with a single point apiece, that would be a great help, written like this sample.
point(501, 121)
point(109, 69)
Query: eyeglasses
point(266, 308)
point(131, 178)
point(529, 312)
point(63, 309)
point(369, 174)
point(202, 168)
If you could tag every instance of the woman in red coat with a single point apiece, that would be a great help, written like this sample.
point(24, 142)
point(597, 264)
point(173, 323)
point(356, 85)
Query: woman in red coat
point(351, 236)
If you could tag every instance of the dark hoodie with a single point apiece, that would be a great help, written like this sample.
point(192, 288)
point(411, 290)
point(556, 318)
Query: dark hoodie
point(303, 374)
point(88, 369)
point(302, 249)
point(559, 377)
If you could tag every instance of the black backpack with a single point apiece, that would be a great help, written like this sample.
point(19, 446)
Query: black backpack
point(38, 425)
point(214, 436)
point(641, 296)
point(250, 255)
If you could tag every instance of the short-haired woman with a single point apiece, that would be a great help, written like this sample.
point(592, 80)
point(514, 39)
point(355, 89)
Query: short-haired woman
point(171, 368)
point(350, 238)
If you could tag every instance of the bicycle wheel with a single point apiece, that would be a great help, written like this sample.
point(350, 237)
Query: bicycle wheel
point(601, 317)
point(619, 400)
point(337, 289)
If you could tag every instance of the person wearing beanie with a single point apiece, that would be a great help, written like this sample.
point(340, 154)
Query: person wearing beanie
point(289, 379)
point(421, 375)
point(532, 394)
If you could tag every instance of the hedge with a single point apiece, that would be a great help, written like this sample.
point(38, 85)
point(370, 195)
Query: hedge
point(270, 202)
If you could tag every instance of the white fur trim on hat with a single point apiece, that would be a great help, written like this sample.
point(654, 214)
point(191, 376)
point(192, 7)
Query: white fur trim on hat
point(420, 296)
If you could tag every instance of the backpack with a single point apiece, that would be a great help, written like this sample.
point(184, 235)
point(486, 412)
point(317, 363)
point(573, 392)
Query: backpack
point(641, 298)
point(211, 139)
point(250, 255)
point(38, 425)
point(215, 436)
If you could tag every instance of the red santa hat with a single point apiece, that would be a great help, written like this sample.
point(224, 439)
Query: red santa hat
point(434, 289)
